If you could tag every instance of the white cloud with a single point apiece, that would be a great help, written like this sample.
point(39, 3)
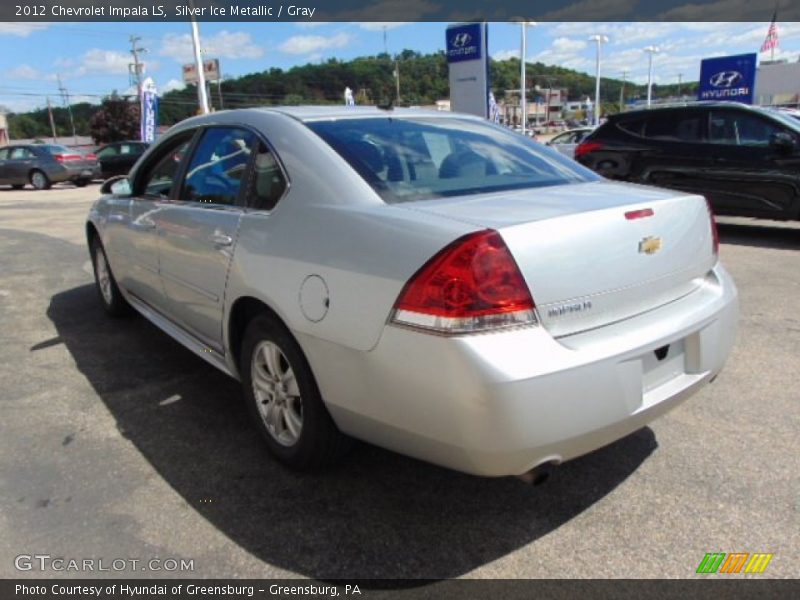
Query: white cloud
point(379, 26)
point(27, 72)
point(568, 45)
point(506, 54)
point(225, 44)
point(310, 44)
point(171, 85)
point(106, 62)
point(21, 29)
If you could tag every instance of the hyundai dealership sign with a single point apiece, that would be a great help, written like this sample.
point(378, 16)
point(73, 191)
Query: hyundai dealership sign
point(467, 60)
point(728, 78)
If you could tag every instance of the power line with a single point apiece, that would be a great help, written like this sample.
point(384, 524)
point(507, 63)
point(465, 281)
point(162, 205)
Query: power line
point(65, 99)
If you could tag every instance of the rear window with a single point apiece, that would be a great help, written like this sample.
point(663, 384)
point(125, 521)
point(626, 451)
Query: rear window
point(675, 126)
point(54, 149)
point(410, 159)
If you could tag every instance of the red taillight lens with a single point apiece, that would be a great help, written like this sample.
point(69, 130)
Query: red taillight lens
point(91, 156)
point(714, 232)
point(67, 157)
point(586, 147)
point(473, 284)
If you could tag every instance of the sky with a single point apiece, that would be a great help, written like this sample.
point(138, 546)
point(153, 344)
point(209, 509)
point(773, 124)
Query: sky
point(92, 58)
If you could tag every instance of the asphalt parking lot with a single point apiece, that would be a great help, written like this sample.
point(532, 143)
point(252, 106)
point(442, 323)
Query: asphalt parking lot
point(115, 442)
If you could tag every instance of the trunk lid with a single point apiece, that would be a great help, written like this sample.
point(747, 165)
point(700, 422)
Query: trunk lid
point(586, 263)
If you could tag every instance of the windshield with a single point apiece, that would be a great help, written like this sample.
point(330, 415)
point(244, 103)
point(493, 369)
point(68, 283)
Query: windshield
point(409, 159)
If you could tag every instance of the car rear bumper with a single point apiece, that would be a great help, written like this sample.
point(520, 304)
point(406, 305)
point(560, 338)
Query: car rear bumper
point(76, 173)
point(502, 403)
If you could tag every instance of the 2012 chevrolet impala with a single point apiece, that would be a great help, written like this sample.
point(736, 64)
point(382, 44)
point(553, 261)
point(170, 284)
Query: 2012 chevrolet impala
point(430, 283)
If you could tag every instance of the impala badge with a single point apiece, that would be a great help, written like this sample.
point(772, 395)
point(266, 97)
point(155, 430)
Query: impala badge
point(650, 245)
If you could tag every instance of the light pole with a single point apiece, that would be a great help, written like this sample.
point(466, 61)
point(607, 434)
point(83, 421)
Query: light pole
point(202, 94)
point(622, 90)
point(650, 51)
point(599, 40)
point(523, 52)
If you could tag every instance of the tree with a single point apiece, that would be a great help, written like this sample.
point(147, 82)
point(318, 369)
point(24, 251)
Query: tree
point(116, 120)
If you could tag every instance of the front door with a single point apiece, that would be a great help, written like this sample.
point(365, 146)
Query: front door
point(197, 231)
point(5, 177)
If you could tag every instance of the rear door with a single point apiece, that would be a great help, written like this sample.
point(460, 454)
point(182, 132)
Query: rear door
point(197, 230)
point(673, 155)
point(747, 175)
point(20, 162)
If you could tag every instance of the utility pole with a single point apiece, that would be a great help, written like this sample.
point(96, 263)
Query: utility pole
point(397, 80)
point(65, 98)
point(137, 65)
point(219, 92)
point(680, 76)
point(622, 91)
point(52, 120)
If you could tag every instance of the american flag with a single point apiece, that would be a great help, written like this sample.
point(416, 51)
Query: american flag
point(771, 41)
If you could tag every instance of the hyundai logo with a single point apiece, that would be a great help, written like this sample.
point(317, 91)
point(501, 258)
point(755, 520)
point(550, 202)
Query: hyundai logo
point(725, 79)
point(461, 40)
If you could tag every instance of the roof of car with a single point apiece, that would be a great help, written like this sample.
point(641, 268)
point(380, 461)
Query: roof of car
point(698, 104)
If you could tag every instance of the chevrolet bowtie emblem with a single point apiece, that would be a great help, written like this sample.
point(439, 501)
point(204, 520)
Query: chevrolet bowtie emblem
point(650, 245)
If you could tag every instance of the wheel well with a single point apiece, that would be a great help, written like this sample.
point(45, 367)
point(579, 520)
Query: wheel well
point(244, 310)
point(91, 233)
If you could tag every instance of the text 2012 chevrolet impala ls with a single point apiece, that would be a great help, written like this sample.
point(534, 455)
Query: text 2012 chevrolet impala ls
point(433, 284)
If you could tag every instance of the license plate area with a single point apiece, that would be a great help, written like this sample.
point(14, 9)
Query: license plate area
point(663, 365)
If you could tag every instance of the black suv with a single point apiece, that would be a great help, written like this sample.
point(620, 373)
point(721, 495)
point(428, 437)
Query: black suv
point(744, 159)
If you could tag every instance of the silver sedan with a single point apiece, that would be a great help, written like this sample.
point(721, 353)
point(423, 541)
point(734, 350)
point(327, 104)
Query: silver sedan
point(427, 282)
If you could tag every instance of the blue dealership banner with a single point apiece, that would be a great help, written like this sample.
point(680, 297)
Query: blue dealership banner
point(468, 66)
point(149, 111)
point(464, 42)
point(728, 78)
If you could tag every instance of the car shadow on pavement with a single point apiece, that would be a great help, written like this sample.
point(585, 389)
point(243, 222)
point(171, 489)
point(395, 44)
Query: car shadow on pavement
point(377, 515)
point(760, 234)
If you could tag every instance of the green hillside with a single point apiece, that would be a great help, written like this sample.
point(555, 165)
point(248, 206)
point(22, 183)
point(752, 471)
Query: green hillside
point(423, 80)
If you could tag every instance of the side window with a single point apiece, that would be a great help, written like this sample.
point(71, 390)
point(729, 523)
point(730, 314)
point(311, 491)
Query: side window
point(125, 149)
point(268, 180)
point(218, 165)
point(20, 153)
point(107, 152)
point(740, 129)
point(159, 176)
point(675, 127)
point(634, 125)
point(3, 153)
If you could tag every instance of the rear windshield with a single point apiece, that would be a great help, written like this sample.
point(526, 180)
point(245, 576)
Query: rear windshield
point(53, 149)
point(420, 158)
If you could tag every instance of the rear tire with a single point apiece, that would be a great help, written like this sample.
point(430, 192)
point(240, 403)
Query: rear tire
point(283, 398)
point(81, 182)
point(39, 180)
point(110, 297)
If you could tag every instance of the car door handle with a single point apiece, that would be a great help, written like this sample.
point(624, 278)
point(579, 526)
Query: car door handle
point(220, 239)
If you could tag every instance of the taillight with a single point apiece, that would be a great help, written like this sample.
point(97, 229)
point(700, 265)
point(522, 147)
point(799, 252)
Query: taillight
point(91, 156)
point(67, 157)
point(472, 285)
point(586, 147)
point(714, 232)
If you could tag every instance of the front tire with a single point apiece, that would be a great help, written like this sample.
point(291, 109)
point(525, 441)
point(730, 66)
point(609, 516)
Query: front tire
point(81, 182)
point(110, 297)
point(39, 180)
point(283, 398)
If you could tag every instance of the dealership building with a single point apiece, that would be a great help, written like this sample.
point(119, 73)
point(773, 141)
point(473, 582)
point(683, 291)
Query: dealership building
point(778, 84)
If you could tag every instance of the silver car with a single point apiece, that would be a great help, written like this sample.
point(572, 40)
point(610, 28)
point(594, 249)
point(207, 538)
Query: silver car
point(427, 282)
point(567, 142)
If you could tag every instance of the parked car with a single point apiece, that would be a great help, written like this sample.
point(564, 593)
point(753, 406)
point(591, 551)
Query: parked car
point(744, 159)
point(567, 142)
point(42, 165)
point(117, 158)
point(427, 282)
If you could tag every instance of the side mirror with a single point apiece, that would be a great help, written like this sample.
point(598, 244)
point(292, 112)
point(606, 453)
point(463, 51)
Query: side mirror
point(782, 141)
point(118, 185)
